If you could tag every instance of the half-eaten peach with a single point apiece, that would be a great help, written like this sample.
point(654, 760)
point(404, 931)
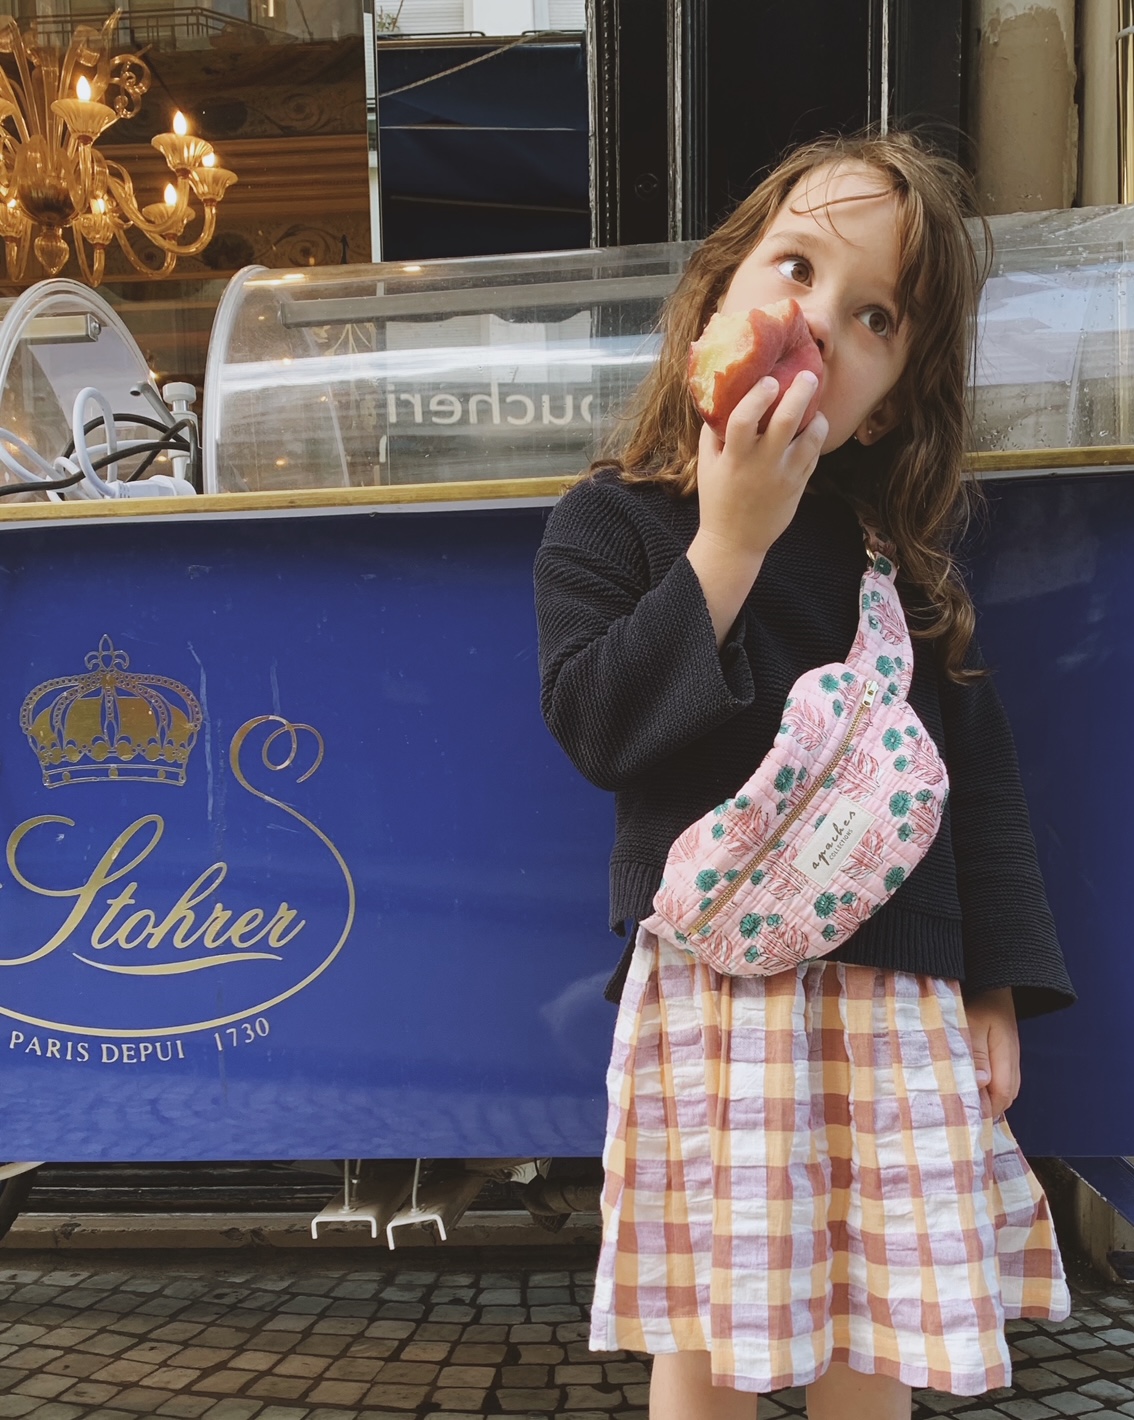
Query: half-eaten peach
point(735, 351)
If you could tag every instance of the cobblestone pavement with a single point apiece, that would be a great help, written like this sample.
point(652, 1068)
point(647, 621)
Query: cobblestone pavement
point(317, 1336)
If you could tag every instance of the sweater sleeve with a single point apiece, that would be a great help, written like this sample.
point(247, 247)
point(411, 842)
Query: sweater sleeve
point(1008, 930)
point(629, 665)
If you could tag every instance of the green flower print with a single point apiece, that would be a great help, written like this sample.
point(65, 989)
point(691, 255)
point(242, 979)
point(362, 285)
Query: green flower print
point(707, 879)
point(884, 666)
point(847, 899)
point(785, 779)
point(773, 919)
point(837, 707)
point(825, 904)
point(731, 874)
point(757, 877)
point(899, 806)
point(905, 833)
point(901, 764)
point(742, 801)
point(911, 731)
point(718, 831)
point(750, 924)
point(924, 796)
point(891, 739)
point(883, 565)
point(828, 683)
point(895, 878)
point(847, 677)
point(830, 932)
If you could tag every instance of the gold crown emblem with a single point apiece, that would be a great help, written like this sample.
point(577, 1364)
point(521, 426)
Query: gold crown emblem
point(111, 723)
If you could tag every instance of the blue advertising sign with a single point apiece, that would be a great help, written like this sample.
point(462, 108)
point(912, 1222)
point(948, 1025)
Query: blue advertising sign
point(292, 867)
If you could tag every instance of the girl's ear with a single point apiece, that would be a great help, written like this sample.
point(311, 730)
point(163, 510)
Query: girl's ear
point(882, 418)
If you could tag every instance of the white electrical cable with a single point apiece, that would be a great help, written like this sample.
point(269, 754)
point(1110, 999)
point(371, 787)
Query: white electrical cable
point(34, 470)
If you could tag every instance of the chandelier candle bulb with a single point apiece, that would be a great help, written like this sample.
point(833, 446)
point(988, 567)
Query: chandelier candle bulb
point(83, 115)
point(181, 151)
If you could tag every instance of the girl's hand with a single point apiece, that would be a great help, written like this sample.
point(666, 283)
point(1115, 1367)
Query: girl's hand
point(996, 1047)
point(748, 489)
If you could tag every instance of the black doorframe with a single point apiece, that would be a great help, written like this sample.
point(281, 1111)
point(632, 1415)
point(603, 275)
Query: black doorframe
point(668, 157)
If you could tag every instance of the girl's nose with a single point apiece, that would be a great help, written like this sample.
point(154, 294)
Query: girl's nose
point(821, 325)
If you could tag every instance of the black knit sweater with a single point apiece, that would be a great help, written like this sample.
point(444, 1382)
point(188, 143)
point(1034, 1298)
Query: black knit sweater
point(638, 694)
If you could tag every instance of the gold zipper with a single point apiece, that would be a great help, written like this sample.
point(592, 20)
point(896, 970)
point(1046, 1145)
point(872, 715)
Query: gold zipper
point(870, 690)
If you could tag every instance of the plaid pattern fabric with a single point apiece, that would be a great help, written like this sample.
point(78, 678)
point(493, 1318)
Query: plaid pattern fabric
point(800, 1168)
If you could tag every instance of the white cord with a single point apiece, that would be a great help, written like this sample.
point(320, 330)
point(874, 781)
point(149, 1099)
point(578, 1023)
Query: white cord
point(34, 470)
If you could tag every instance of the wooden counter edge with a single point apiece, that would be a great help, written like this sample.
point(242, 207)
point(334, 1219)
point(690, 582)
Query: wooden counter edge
point(301, 500)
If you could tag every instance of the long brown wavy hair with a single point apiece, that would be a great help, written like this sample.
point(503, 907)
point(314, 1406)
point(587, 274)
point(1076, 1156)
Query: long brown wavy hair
point(911, 484)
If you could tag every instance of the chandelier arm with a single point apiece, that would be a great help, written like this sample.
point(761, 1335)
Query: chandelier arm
point(89, 276)
point(15, 96)
point(137, 263)
point(122, 190)
point(16, 250)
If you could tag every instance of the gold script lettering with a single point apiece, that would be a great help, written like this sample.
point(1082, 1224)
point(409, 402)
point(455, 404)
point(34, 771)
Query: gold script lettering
point(142, 928)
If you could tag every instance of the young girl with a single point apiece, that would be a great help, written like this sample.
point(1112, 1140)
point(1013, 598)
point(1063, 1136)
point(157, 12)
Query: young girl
point(808, 1177)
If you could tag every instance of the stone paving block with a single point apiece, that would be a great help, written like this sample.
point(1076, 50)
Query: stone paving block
point(408, 1373)
point(55, 1410)
point(1074, 1404)
point(254, 1360)
point(89, 1393)
point(234, 1410)
point(426, 1350)
point(450, 1400)
point(281, 1412)
point(467, 1377)
point(531, 1332)
point(124, 1372)
point(16, 1405)
point(106, 1343)
point(142, 1401)
point(437, 1331)
point(525, 1377)
point(337, 1392)
point(75, 1363)
point(295, 1365)
point(101, 1414)
point(580, 1373)
point(1026, 1409)
point(339, 1326)
point(45, 1387)
point(172, 1377)
point(357, 1368)
point(394, 1330)
point(1105, 1391)
point(224, 1382)
point(396, 1397)
point(281, 1387)
point(542, 1401)
point(322, 1345)
point(482, 1332)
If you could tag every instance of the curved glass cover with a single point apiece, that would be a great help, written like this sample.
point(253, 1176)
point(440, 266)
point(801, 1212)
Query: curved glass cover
point(56, 339)
point(516, 367)
point(493, 368)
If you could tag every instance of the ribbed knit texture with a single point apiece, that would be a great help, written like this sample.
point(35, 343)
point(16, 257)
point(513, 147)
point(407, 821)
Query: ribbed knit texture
point(636, 691)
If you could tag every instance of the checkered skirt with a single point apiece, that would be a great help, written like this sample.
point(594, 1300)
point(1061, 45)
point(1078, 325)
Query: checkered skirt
point(801, 1168)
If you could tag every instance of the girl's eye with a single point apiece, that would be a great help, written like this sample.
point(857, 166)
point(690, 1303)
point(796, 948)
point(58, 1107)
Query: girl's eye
point(877, 320)
point(795, 269)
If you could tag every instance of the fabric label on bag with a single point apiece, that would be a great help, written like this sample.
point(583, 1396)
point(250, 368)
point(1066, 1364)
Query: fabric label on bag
point(836, 837)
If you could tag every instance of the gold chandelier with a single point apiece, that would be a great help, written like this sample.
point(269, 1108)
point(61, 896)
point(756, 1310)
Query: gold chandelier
point(54, 180)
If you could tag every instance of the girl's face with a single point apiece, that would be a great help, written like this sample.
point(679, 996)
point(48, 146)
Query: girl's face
point(834, 246)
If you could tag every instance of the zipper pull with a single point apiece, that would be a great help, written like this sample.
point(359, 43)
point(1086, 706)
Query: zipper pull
point(869, 691)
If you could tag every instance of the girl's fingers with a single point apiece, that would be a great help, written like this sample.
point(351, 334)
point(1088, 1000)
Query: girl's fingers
point(744, 420)
point(784, 424)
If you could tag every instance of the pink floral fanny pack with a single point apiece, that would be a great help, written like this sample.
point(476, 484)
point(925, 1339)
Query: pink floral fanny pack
point(843, 806)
